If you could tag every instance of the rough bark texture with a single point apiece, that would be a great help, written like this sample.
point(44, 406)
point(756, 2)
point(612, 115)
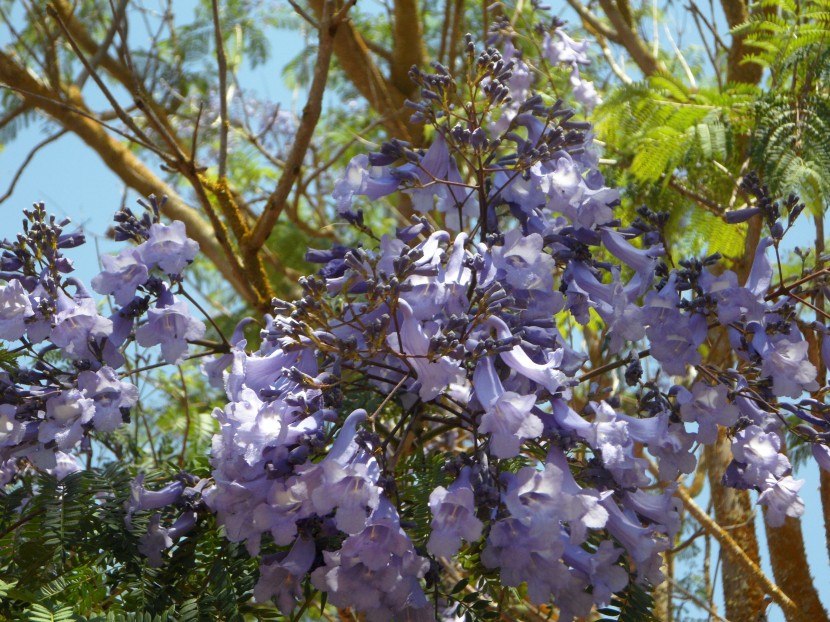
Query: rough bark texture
point(792, 573)
point(353, 55)
point(737, 12)
point(744, 598)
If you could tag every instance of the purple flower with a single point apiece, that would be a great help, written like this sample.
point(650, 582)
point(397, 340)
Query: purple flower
point(168, 247)
point(584, 91)
point(282, 579)
point(546, 374)
point(453, 517)
point(508, 417)
point(560, 48)
point(110, 395)
point(707, 406)
point(412, 343)
point(171, 326)
point(786, 361)
point(142, 499)
point(78, 327)
point(643, 262)
point(605, 575)
point(822, 455)
point(158, 539)
point(11, 429)
point(122, 275)
point(65, 464)
point(375, 571)
point(758, 453)
point(66, 417)
point(781, 500)
point(527, 273)
point(15, 309)
point(373, 182)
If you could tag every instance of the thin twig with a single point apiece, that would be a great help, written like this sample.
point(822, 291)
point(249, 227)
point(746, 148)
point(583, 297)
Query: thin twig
point(310, 116)
point(697, 601)
point(109, 37)
point(222, 66)
point(28, 159)
point(734, 550)
point(186, 404)
point(122, 115)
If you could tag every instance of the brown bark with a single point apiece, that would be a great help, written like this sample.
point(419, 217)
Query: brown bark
point(737, 12)
point(630, 39)
point(743, 597)
point(353, 55)
point(791, 571)
point(408, 47)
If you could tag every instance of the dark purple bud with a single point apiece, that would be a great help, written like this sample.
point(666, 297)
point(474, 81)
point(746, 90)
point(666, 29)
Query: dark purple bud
point(741, 215)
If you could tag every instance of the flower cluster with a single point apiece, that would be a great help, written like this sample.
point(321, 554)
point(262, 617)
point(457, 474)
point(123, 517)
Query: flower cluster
point(463, 338)
point(50, 405)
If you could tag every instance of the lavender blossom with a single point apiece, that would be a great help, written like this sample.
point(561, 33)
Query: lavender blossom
point(15, 309)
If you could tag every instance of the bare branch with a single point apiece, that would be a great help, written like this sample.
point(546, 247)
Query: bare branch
point(26, 162)
point(311, 114)
point(592, 22)
point(117, 18)
point(222, 67)
point(74, 117)
point(734, 551)
point(628, 37)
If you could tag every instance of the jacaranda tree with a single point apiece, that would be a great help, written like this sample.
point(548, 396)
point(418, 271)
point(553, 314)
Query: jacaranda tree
point(487, 412)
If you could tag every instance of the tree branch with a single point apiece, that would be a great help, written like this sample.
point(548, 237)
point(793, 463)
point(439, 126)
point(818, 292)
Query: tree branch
point(408, 49)
point(353, 55)
point(731, 548)
point(28, 159)
point(630, 39)
point(222, 68)
point(311, 114)
point(124, 164)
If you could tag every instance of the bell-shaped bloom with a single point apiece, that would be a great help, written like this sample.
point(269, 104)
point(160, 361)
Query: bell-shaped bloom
point(11, 429)
point(412, 343)
point(168, 247)
point(508, 418)
point(707, 406)
point(282, 578)
point(606, 576)
point(361, 179)
point(559, 47)
point(546, 374)
point(453, 517)
point(787, 363)
point(528, 552)
point(376, 570)
point(66, 417)
point(158, 539)
point(142, 499)
point(78, 327)
point(15, 309)
point(781, 500)
point(122, 275)
point(758, 453)
point(111, 395)
point(170, 326)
